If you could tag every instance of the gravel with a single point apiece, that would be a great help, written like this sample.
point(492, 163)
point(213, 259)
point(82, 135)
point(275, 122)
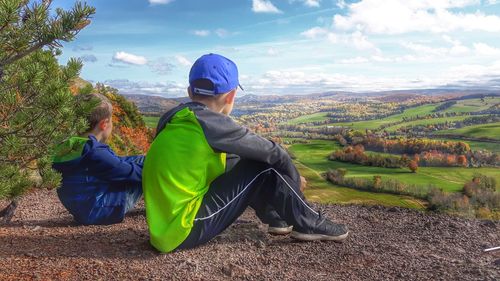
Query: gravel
point(43, 243)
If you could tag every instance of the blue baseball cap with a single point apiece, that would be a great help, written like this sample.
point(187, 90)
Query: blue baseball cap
point(221, 72)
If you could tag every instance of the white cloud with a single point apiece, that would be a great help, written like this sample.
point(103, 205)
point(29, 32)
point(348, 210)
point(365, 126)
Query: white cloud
point(312, 3)
point(222, 33)
point(183, 61)
point(355, 60)
point(272, 52)
point(165, 89)
point(403, 16)
point(129, 58)
point(161, 66)
point(264, 6)
point(332, 37)
point(356, 39)
point(423, 50)
point(341, 4)
point(88, 58)
point(159, 2)
point(314, 32)
point(360, 42)
point(303, 81)
point(457, 49)
point(201, 33)
point(308, 3)
point(483, 49)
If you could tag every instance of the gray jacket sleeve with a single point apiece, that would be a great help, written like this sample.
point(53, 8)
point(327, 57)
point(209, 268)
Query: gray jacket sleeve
point(223, 134)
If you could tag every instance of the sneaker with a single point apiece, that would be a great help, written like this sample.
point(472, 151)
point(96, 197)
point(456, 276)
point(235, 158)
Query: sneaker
point(326, 231)
point(279, 228)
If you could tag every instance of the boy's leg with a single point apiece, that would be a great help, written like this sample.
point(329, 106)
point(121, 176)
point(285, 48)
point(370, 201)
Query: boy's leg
point(245, 184)
point(134, 193)
point(264, 211)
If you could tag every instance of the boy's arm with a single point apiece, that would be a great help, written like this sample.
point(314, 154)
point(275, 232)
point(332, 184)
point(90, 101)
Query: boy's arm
point(224, 134)
point(106, 165)
point(139, 159)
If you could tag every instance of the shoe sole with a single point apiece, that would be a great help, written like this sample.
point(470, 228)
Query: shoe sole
point(317, 237)
point(280, 230)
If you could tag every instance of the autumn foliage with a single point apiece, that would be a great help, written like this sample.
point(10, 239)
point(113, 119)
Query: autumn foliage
point(130, 134)
point(413, 166)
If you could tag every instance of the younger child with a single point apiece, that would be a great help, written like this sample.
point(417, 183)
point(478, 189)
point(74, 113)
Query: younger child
point(98, 187)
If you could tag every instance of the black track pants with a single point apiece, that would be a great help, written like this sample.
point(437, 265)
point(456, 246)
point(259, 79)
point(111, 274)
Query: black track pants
point(272, 195)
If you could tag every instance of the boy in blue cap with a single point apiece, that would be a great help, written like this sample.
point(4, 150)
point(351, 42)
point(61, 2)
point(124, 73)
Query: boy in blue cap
point(203, 170)
point(98, 187)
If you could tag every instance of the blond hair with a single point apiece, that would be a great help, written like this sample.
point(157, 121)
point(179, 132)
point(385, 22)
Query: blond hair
point(102, 110)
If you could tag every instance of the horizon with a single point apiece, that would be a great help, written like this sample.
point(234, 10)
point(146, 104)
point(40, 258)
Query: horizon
point(292, 47)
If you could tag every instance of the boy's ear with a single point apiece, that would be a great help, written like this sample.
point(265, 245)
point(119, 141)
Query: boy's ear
point(189, 92)
point(103, 124)
point(230, 97)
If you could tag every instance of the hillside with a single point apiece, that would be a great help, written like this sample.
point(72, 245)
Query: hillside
point(153, 105)
point(385, 244)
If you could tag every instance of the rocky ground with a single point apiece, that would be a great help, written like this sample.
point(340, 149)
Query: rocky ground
point(43, 243)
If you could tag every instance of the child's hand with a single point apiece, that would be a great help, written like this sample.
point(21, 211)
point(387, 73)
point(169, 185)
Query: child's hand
point(303, 183)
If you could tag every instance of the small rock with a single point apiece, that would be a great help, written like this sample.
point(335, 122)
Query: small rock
point(260, 244)
point(233, 270)
point(489, 223)
point(365, 253)
point(460, 250)
point(393, 209)
point(31, 255)
point(36, 228)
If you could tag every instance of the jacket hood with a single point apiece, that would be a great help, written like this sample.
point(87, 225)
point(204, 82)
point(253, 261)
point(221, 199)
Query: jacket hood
point(71, 153)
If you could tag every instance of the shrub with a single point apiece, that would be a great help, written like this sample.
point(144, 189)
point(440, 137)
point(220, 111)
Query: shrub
point(37, 108)
point(413, 166)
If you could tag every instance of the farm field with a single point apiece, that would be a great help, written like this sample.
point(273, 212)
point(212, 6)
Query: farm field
point(369, 124)
point(322, 191)
point(473, 105)
point(319, 116)
point(491, 131)
point(151, 121)
point(315, 156)
point(428, 122)
point(476, 145)
point(374, 124)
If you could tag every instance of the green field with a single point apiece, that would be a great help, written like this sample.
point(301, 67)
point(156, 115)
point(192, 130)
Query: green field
point(473, 105)
point(314, 156)
point(375, 124)
point(491, 131)
point(428, 122)
point(320, 116)
point(311, 156)
point(151, 121)
point(476, 145)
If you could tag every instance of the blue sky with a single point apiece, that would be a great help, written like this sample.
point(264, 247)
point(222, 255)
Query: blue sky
point(292, 46)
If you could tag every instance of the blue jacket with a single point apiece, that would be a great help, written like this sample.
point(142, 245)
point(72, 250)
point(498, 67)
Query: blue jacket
point(98, 187)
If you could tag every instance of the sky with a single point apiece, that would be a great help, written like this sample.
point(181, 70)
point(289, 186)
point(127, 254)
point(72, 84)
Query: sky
point(292, 46)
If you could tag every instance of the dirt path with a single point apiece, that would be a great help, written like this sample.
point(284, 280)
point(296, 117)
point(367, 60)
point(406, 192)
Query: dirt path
point(386, 244)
